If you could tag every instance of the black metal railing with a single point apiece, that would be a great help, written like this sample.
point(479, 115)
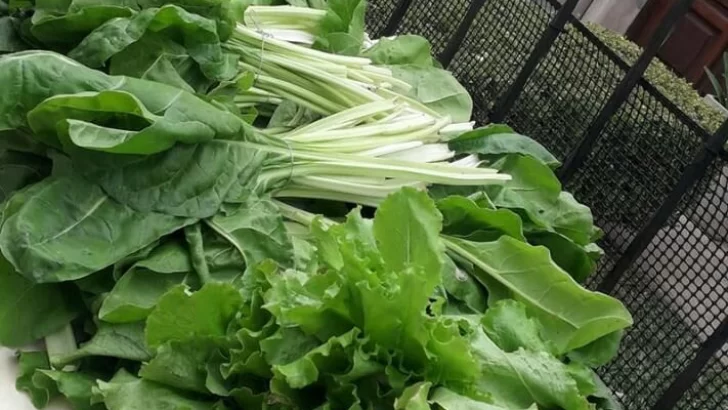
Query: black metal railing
point(656, 180)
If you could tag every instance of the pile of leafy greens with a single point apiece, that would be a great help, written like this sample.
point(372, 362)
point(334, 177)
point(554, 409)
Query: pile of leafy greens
point(178, 230)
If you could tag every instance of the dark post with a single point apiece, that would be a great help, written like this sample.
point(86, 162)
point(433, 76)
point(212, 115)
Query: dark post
point(391, 28)
point(543, 46)
point(621, 93)
point(457, 39)
point(685, 379)
point(696, 170)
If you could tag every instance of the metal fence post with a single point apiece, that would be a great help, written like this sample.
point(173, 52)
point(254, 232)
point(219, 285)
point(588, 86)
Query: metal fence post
point(452, 47)
point(393, 24)
point(687, 377)
point(505, 103)
point(693, 173)
point(623, 90)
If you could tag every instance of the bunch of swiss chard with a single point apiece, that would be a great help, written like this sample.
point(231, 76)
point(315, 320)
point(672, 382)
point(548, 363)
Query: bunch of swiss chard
point(176, 226)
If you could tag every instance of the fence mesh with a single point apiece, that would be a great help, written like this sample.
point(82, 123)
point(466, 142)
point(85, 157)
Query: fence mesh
point(552, 105)
point(677, 290)
point(493, 53)
point(711, 389)
point(435, 22)
point(678, 294)
point(378, 16)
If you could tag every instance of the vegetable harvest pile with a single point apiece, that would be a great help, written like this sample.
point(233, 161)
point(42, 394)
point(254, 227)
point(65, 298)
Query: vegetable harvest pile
point(252, 205)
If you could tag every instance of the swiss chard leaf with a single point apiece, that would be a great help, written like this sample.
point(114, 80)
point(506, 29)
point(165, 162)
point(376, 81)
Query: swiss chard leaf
point(19, 169)
point(342, 29)
point(255, 228)
point(111, 121)
point(45, 74)
point(199, 36)
point(156, 57)
point(122, 341)
point(137, 292)
point(85, 232)
point(42, 74)
point(10, 39)
point(61, 24)
point(31, 311)
point(406, 49)
point(187, 180)
point(437, 89)
point(497, 140)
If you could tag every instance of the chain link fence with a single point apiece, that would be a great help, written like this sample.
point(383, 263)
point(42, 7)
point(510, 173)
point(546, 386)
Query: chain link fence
point(656, 186)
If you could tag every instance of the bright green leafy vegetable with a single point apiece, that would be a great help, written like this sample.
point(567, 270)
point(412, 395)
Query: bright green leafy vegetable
point(342, 29)
point(437, 89)
point(573, 316)
point(156, 232)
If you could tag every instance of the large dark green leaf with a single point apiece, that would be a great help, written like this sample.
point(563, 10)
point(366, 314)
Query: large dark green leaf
point(30, 77)
point(199, 36)
point(137, 292)
point(111, 121)
point(221, 11)
point(10, 40)
point(255, 228)
point(31, 311)
point(156, 57)
point(66, 228)
point(19, 169)
point(35, 76)
point(187, 180)
point(63, 23)
point(124, 341)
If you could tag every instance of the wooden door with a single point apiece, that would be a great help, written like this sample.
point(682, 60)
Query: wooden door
point(698, 40)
